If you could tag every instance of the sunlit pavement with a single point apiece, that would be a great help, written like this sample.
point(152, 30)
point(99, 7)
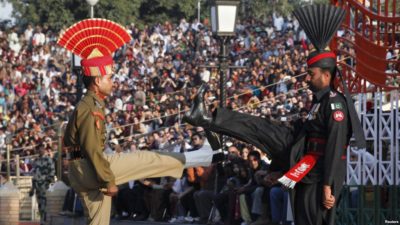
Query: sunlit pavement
point(62, 220)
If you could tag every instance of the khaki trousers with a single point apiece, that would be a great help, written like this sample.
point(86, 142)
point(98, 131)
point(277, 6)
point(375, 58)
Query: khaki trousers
point(126, 167)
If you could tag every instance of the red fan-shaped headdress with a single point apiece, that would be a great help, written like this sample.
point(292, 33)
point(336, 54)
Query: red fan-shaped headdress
point(94, 40)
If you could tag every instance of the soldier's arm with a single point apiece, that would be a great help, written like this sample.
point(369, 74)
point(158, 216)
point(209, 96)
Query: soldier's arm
point(90, 139)
point(338, 132)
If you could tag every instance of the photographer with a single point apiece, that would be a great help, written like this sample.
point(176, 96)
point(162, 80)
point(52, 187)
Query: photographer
point(227, 201)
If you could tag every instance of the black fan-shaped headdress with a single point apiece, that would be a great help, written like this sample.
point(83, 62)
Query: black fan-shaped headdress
point(320, 23)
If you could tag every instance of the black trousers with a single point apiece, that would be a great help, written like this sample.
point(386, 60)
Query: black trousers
point(270, 137)
point(308, 206)
point(308, 200)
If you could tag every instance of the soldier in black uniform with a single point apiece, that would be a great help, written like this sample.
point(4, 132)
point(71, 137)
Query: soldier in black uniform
point(316, 151)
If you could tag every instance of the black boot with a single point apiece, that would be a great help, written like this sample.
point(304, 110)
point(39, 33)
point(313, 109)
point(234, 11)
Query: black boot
point(218, 157)
point(213, 139)
point(197, 116)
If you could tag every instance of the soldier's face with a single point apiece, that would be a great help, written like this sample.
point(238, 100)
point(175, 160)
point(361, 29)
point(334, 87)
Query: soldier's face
point(105, 84)
point(317, 79)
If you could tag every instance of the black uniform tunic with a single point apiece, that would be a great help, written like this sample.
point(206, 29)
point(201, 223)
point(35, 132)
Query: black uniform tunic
point(327, 132)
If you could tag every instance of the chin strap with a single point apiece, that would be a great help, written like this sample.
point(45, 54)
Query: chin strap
point(100, 95)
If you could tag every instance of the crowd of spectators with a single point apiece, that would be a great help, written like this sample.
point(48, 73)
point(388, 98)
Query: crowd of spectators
point(157, 75)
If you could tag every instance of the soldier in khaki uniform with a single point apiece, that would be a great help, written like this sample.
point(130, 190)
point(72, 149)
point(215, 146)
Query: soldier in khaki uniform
point(43, 172)
point(93, 175)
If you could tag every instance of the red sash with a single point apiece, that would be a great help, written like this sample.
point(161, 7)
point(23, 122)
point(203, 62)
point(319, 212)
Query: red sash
point(297, 172)
point(316, 147)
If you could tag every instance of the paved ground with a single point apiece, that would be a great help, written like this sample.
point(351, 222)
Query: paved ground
point(81, 222)
point(61, 220)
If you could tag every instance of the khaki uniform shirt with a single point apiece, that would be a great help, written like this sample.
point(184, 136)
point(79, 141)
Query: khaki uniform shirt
point(86, 130)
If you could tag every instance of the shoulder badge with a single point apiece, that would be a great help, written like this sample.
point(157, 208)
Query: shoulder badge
point(332, 94)
point(336, 105)
point(338, 116)
point(98, 116)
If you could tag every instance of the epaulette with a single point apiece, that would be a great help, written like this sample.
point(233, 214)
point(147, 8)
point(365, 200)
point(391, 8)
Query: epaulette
point(97, 104)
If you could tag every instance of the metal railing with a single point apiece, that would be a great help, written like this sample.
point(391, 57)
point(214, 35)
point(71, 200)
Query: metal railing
point(369, 205)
